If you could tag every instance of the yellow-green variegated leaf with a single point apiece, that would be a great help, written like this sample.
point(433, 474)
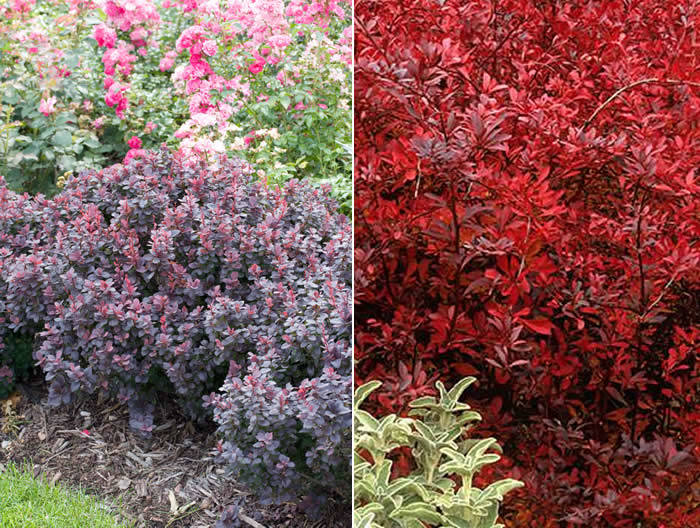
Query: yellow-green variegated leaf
point(425, 401)
point(383, 473)
point(468, 417)
point(456, 391)
point(497, 490)
point(480, 447)
point(365, 422)
point(400, 484)
point(370, 509)
point(420, 511)
point(425, 437)
point(363, 391)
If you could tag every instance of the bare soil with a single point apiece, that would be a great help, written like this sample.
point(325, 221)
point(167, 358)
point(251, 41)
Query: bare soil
point(170, 480)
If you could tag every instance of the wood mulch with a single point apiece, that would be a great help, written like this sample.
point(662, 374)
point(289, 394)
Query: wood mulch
point(170, 480)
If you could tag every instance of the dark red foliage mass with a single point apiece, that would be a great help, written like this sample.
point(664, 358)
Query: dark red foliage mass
point(528, 212)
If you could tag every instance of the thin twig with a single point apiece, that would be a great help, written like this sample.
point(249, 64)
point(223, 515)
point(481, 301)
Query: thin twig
point(661, 296)
point(652, 80)
point(415, 195)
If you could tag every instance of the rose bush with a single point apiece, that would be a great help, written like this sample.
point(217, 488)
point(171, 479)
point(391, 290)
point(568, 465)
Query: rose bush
point(267, 80)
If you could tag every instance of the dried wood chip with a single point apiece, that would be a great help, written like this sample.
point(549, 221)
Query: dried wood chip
point(123, 483)
point(173, 502)
point(141, 488)
point(251, 522)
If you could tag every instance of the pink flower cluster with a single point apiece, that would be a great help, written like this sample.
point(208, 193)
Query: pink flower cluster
point(266, 26)
point(135, 151)
point(128, 14)
point(105, 36)
point(47, 106)
point(254, 33)
point(317, 13)
point(168, 61)
point(136, 20)
point(23, 6)
point(120, 57)
point(115, 96)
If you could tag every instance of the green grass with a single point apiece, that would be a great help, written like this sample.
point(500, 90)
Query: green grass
point(26, 502)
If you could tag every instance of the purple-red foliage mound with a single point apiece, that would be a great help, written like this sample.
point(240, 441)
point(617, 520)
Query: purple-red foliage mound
point(527, 196)
point(165, 277)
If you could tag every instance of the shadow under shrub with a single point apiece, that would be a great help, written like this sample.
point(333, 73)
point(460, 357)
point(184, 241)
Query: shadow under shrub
point(165, 274)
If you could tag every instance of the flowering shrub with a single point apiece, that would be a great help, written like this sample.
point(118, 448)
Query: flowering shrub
point(526, 193)
point(441, 489)
point(266, 79)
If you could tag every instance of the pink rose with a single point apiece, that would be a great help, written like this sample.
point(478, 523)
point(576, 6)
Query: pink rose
point(166, 63)
point(47, 106)
point(105, 36)
point(257, 66)
point(210, 48)
point(134, 153)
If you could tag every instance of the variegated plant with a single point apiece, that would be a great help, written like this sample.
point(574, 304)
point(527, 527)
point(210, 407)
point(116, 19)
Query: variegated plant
point(440, 491)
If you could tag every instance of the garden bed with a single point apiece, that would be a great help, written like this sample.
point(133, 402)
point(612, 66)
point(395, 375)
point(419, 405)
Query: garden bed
point(170, 480)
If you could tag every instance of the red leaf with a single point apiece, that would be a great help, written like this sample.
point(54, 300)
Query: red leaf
point(541, 326)
point(464, 369)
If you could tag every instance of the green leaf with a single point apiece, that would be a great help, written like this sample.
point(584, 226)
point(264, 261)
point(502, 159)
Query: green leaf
point(480, 447)
point(366, 421)
point(383, 474)
point(418, 510)
point(62, 138)
point(365, 390)
point(425, 401)
point(398, 485)
point(497, 490)
point(66, 163)
point(456, 391)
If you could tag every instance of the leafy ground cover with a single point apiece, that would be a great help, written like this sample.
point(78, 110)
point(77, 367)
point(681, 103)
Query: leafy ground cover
point(527, 213)
point(28, 502)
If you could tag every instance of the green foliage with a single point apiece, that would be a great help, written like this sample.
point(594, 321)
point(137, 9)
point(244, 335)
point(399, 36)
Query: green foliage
point(36, 149)
point(440, 490)
point(26, 502)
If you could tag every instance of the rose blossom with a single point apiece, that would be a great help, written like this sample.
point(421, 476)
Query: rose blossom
point(210, 48)
point(257, 66)
point(47, 106)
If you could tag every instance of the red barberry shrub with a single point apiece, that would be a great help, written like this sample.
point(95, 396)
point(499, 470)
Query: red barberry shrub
point(527, 212)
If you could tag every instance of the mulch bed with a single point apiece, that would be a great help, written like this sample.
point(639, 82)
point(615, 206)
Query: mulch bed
point(168, 481)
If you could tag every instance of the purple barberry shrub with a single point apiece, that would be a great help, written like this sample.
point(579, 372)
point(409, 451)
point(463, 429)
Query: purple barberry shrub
point(206, 284)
